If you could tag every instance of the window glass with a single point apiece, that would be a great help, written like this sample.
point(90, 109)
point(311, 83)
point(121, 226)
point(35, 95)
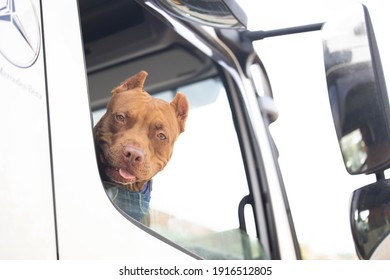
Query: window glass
point(194, 200)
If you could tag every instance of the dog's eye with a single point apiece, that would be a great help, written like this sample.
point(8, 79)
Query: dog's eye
point(121, 118)
point(161, 136)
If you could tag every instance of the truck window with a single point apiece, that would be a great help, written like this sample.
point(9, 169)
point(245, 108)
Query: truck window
point(195, 199)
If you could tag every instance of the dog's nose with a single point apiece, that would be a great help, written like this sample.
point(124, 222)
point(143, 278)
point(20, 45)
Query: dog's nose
point(133, 154)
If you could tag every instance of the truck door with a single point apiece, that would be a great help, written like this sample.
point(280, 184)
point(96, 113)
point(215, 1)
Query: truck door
point(26, 196)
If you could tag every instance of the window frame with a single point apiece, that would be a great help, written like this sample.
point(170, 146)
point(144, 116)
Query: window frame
point(254, 168)
point(258, 175)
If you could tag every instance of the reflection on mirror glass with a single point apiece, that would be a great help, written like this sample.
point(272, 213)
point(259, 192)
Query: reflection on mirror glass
point(216, 13)
point(370, 220)
point(354, 149)
point(357, 92)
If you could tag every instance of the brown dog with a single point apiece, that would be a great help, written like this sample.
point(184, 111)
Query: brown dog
point(135, 137)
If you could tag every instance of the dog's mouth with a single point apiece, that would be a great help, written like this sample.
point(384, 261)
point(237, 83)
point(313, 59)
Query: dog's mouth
point(120, 175)
point(117, 174)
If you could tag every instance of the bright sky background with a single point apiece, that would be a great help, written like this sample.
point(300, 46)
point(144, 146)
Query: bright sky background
point(273, 14)
point(317, 184)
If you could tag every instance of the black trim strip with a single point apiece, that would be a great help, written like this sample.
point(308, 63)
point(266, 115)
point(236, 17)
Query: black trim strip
point(49, 134)
point(283, 189)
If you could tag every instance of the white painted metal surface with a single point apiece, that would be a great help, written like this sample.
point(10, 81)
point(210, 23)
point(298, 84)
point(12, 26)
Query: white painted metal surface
point(26, 207)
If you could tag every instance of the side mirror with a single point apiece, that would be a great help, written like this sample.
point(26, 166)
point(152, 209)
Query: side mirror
point(370, 220)
point(357, 91)
point(215, 13)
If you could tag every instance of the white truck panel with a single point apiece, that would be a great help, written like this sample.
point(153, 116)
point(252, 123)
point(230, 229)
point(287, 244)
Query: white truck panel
point(27, 215)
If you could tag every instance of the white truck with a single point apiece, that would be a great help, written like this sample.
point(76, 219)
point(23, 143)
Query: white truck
point(221, 197)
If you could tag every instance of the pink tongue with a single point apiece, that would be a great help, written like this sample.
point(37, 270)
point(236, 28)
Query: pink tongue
point(126, 175)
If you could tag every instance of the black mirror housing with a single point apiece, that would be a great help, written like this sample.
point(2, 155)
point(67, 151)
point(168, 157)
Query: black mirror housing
point(357, 91)
point(370, 220)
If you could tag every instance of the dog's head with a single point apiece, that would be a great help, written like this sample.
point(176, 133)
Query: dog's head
point(135, 137)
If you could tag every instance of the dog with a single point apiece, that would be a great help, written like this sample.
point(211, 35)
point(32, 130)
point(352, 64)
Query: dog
point(134, 141)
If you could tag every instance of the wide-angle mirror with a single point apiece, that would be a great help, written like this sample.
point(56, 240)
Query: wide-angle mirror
point(370, 220)
point(357, 91)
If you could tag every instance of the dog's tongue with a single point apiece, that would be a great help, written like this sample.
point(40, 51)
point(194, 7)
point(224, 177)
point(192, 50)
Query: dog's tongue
point(126, 175)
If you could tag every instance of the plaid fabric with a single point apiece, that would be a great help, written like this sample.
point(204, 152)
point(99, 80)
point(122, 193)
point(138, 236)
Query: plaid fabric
point(134, 204)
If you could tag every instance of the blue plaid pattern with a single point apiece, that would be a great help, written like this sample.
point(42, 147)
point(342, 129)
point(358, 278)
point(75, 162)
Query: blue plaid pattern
point(134, 204)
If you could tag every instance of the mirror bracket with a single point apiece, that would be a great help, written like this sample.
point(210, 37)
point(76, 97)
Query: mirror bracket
point(261, 34)
point(380, 175)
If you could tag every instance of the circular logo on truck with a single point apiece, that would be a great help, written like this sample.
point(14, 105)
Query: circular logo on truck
point(20, 34)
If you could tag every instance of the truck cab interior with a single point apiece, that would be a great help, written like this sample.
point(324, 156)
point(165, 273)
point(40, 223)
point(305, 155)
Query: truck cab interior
point(122, 38)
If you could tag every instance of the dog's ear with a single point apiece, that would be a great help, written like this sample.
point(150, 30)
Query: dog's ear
point(181, 106)
point(136, 81)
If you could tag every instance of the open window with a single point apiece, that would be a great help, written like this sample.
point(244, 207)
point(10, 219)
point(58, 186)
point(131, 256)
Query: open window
point(197, 199)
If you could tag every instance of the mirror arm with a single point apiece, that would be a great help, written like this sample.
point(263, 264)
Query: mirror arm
point(380, 176)
point(260, 35)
